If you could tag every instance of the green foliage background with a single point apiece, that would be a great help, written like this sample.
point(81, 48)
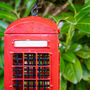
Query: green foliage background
point(74, 38)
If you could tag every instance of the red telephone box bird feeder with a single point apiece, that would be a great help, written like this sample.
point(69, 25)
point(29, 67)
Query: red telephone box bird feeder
point(31, 55)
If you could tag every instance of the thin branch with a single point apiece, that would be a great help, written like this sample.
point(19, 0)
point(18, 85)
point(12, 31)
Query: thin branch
point(60, 9)
point(49, 7)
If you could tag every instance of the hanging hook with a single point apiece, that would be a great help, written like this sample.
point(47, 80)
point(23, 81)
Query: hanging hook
point(34, 10)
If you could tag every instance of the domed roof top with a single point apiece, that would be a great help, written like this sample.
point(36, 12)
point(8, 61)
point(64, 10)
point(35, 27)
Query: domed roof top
point(31, 25)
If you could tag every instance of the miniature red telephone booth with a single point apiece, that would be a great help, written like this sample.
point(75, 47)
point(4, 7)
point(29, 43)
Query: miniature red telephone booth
point(31, 55)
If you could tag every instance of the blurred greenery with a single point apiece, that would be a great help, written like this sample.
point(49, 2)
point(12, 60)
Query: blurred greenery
point(74, 37)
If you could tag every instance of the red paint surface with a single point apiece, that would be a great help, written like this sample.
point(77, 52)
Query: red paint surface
point(32, 28)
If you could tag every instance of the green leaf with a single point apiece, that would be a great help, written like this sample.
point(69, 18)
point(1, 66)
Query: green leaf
point(84, 11)
point(2, 61)
point(29, 6)
point(2, 31)
point(7, 16)
point(72, 87)
point(63, 84)
point(70, 57)
point(23, 6)
point(64, 29)
point(73, 72)
point(5, 6)
point(83, 54)
point(3, 24)
point(86, 73)
point(1, 79)
point(88, 35)
point(68, 16)
point(75, 47)
point(69, 73)
point(1, 72)
point(61, 65)
point(87, 62)
point(78, 70)
point(64, 16)
point(78, 34)
point(81, 86)
point(1, 34)
point(47, 16)
point(1, 82)
point(1, 53)
point(1, 47)
point(70, 1)
point(17, 3)
point(62, 47)
point(84, 25)
point(56, 19)
point(77, 6)
point(86, 47)
point(69, 37)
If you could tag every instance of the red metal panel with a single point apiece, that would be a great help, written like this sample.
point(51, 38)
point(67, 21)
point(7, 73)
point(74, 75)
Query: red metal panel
point(35, 19)
point(8, 71)
point(52, 50)
point(36, 73)
point(23, 71)
point(32, 25)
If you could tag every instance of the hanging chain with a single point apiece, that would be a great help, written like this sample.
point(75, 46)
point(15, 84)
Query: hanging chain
point(34, 10)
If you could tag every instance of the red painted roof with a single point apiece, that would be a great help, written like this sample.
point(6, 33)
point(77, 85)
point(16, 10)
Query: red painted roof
point(32, 24)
